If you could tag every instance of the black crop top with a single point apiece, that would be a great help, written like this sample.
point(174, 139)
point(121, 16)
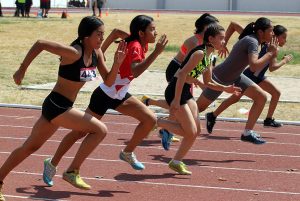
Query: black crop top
point(201, 66)
point(77, 71)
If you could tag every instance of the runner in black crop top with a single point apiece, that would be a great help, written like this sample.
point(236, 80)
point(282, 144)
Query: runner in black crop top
point(77, 71)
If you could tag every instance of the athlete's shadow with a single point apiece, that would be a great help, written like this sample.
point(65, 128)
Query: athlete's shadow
point(46, 192)
point(165, 159)
point(197, 162)
point(218, 137)
point(142, 177)
point(145, 143)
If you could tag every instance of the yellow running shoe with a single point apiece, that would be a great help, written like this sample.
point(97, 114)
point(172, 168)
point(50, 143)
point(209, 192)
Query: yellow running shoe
point(175, 139)
point(145, 99)
point(74, 179)
point(1, 195)
point(180, 168)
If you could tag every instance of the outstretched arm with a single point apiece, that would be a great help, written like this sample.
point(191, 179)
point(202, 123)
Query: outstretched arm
point(233, 27)
point(274, 65)
point(210, 83)
point(68, 52)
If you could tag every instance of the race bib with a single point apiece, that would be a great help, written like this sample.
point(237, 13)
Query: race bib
point(88, 74)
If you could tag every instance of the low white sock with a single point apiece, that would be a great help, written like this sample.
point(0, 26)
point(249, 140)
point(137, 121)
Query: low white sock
point(176, 162)
point(246, 132)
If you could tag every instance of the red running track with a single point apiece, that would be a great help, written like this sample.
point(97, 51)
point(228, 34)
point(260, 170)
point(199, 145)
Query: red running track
point(224, 168)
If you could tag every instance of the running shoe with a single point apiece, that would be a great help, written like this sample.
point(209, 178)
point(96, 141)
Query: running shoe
point(75, 180)
point(166, 138)
point(49, 172)
point(173, 139)
point(145, 99)
point(270, 122)
point(210, 121)
point(252, 137)
point(131, 159)
point(1, 195)
point(180, 168)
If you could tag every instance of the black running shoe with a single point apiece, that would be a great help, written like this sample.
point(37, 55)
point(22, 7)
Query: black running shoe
point(272, 123)
point(253, 138)
point(210, 121)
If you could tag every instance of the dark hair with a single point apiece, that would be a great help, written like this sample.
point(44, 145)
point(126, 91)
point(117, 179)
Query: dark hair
point(204, 20)
point(278, 30)
point(139, 23)
point(261, 23)
point(86, 27)
point(212, 30)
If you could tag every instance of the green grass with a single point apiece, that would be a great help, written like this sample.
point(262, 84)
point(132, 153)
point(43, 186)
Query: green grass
point(17, 35)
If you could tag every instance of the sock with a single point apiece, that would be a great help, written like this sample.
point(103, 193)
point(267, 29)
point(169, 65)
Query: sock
point(69, 172)
point(176, 162)
point(212, 113)
point(147, 101)
point(246, 132)
point(126, 153)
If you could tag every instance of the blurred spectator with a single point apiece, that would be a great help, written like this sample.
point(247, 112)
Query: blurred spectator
point(20, 8)
point(45, 6)
point(1, 15)
point(98, 4)
point(28, 5)
point(76, 3)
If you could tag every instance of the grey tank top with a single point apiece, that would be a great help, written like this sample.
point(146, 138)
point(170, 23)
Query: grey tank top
point(230, 70)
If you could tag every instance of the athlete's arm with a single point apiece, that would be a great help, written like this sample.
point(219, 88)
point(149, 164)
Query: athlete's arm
point(114, 35)
point(182, 75)
point(109, 77)
point(138, 68)
point(274, 65)
point(210, 83)
point(233, 27)
point(256, 63)
point(68, 53)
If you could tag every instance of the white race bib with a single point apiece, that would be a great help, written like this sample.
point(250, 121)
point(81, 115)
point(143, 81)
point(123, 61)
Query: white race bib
point(88, 74)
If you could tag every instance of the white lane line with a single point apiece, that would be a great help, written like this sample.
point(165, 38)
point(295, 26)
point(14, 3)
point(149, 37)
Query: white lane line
point(175, 149)
point(177, 185)
point(134, 124)
point(165, 164)
point(31, 198)
point(198, 138)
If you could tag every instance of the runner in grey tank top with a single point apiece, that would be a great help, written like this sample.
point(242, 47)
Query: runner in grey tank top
point(244, 53)
point(231, 69)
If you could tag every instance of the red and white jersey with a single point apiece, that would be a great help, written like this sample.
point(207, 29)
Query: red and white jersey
point(119, 89)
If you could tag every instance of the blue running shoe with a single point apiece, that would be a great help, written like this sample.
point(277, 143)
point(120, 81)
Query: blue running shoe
point(166, 138)
point(49, 172)
point(131, 159)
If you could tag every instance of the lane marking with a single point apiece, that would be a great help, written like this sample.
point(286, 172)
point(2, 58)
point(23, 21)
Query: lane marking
point(133, 124)
point(175, 185)
point(165, 164)
point(31, 198)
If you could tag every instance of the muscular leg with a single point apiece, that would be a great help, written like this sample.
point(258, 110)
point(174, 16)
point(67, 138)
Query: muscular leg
point(259, 99)
point(41, 132)
point(136, 109)
point(267, 86)
point(226, 103)
point(203, 103)
point(88, 124)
